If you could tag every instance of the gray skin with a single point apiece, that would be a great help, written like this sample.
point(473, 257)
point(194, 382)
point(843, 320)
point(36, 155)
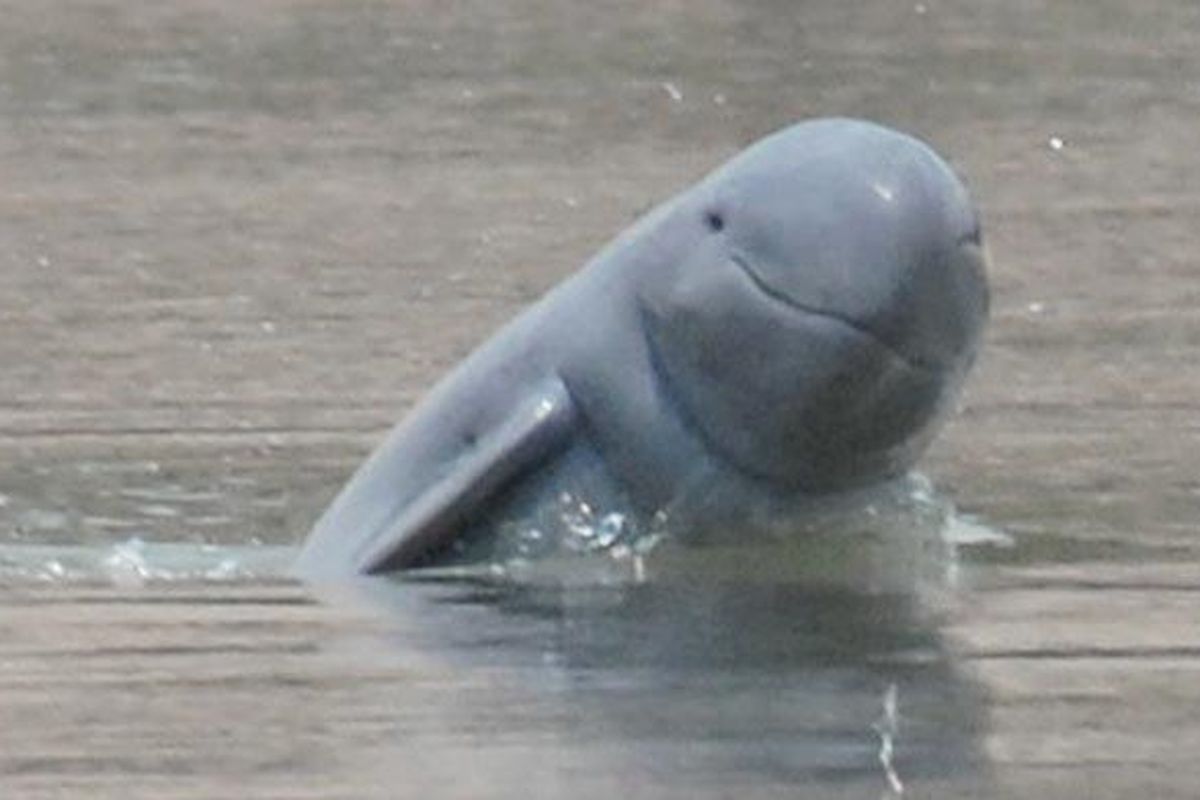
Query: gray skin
point(790, 328)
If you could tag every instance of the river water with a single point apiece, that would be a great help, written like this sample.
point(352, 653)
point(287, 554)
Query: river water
point(759, 670)
point(238, 240)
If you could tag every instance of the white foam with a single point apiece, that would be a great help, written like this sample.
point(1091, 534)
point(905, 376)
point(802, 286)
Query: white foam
point(135, 562)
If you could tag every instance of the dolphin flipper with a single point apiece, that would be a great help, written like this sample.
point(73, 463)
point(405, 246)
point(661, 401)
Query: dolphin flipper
point(537, 429)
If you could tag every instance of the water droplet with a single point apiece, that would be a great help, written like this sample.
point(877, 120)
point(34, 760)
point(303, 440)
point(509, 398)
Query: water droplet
point(610, 529)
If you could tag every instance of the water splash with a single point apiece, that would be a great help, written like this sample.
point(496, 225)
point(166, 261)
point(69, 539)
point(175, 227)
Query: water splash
point(902, 537)
point(135, 562)
point(890, 538)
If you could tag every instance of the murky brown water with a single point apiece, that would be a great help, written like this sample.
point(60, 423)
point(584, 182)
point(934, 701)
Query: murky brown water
point(237, 240)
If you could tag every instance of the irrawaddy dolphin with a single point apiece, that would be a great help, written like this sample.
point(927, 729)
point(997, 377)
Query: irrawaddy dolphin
point(792, 327)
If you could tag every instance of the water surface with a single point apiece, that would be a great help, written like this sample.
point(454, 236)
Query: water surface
point(238, 240)
point(700, 672)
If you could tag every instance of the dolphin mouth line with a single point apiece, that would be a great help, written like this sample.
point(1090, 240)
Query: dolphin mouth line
point(913, 362)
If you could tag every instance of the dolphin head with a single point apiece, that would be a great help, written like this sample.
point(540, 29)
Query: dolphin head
point(828, 304)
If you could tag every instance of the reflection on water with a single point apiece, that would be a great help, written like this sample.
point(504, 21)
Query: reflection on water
point(694, 683)
point(239, 236)
point(811, 664)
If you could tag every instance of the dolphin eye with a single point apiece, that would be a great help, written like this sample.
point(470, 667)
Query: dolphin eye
point(714, 221)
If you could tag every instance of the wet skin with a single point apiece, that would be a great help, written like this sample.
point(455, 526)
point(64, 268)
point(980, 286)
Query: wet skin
point(794, 326)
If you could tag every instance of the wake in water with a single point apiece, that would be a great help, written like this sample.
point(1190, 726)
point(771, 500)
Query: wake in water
point(888, 539)
point(900, 537)
point(135, 562)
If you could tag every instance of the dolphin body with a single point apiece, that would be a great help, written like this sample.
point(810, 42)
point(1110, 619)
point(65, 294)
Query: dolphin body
point(791, 328)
